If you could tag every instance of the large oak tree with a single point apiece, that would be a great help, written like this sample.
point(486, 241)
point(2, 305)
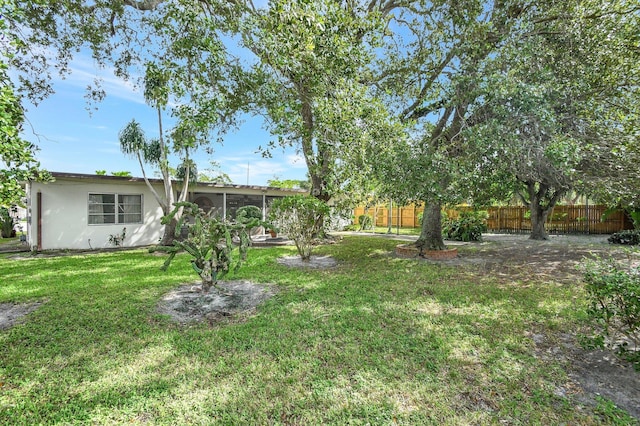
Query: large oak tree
point(523, 77)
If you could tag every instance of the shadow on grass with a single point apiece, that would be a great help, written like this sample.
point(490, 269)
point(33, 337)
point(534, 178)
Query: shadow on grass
point(374, 340)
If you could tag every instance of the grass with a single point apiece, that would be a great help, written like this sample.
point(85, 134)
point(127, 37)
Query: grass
point(11, 240)
point(377, 340)
point(394, 230)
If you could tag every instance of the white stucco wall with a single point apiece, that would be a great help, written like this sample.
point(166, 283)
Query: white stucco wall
point(65, 215)
point(65, 209)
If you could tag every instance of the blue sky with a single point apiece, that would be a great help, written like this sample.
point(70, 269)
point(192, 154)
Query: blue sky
point(71, 139)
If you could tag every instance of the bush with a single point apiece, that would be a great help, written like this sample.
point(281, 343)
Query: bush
point(251, 215)
point(6, 224)
point(209, 242)
point(248, 213)
point(613, 296)
point(468, 227)
point(629, 237)
point(365, 221)
point(301, 218)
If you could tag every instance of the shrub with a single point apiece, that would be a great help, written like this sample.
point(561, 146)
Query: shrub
point(468, 227)
point(251, 215)
point(248, 213)
point(629, 237)
point(6, 224)
point(635, 217)
point(117, 240)
point(209, 242)
point(365, 221)
point(301, 218)
point(613, 297)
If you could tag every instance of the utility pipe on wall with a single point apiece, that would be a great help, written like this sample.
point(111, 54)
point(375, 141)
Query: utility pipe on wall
point(39, 214)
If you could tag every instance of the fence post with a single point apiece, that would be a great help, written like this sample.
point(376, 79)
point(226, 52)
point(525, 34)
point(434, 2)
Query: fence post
point(586, 213)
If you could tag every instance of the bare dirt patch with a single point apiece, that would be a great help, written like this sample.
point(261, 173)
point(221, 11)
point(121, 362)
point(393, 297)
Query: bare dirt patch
point(518, 257)
point(592, 373)
point(187, 303)
point(13, 313)
point(315, 262)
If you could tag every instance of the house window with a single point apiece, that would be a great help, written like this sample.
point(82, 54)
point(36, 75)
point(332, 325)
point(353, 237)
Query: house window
point(114, 209)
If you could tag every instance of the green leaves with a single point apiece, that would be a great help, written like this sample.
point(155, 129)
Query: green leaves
point(613, 295)
point(17, 156)
point(300, 218)
point(209, 242)
point(132, 138)
point(313, 60)
point(156, 90)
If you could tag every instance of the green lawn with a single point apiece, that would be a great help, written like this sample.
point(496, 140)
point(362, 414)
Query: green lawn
point(394, 230)
point(377, 340)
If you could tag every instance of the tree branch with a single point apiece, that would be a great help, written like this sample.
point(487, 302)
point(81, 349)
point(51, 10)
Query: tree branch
point(143, 4)
point(408, 112)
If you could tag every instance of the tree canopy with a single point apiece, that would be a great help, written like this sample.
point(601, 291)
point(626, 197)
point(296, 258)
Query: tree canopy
point(501, 95)
point(430, 101)
point(17, 156)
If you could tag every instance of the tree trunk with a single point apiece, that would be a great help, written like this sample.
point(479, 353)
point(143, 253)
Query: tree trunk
point(304, 250)
point(538, 219)
point(206, 275)
point(541, 200)
point(431, 232)
point(169, 232)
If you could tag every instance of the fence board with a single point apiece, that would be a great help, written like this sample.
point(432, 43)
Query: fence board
point(571, 219)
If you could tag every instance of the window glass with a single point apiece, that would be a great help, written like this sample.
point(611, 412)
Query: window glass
point(129, 208)
point(102, 209)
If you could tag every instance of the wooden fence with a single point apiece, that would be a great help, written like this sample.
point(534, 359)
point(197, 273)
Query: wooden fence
point(571, 219)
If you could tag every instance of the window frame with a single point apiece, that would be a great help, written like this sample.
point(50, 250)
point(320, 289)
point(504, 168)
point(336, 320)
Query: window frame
point(116, 213)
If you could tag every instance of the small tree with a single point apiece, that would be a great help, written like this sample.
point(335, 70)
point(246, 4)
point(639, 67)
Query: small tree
point(209, 242)
point(300, 218)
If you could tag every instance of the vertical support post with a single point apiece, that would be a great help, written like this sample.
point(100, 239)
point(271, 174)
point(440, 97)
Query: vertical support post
point(264, 210)
point(587, 215)
point(39, 213)
point(390, 217)
point(224, 206)
point(375, 218)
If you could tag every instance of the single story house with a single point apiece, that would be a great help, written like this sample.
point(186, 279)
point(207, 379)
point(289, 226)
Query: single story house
point(83, 211)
